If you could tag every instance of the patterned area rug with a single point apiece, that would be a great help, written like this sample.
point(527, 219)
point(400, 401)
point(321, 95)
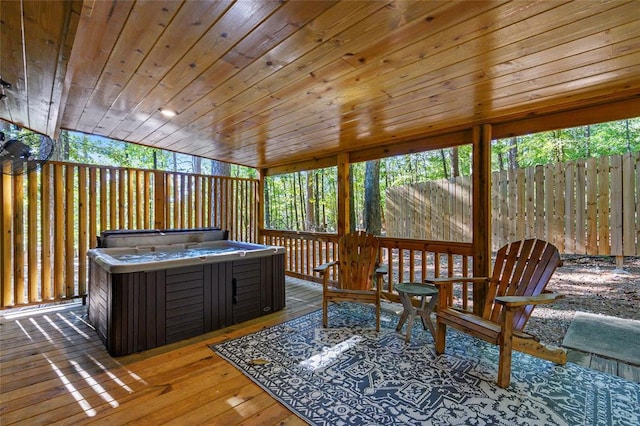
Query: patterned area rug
point(349, 374)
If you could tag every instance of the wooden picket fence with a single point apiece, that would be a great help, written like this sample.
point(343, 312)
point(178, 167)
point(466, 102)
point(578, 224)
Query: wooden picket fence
point(52, 216)
point(588, 207)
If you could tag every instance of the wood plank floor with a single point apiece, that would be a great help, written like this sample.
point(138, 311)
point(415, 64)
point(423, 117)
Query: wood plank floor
point(55, 370)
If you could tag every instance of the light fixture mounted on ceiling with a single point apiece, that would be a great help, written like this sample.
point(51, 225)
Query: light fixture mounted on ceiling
point(167, 112)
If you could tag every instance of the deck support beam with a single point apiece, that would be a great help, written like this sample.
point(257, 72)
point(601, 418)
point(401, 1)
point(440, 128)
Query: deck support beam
point(344, 194)
point(260, 205)
point(481, 211)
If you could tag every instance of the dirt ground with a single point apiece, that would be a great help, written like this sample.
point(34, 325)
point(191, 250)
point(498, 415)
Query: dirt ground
point(589, 284)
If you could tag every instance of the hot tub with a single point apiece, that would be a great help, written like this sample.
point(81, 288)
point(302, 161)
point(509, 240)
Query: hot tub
point(164, 256)
point(151, 288)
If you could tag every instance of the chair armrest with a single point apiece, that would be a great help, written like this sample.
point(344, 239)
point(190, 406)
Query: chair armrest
point(322, 268)
point(518, 301)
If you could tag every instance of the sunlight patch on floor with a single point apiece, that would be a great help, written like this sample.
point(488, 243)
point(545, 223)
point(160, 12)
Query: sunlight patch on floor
point(112, 376)
point(41, 330)
point(70, 324)
point(102, 392)
point(328, 355)
point(86, 407)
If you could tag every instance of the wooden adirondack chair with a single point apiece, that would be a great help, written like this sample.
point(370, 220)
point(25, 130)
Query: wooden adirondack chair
point(520, 275)
point(357, 258)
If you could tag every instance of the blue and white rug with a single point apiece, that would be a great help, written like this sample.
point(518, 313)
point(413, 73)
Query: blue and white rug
point(348, 374)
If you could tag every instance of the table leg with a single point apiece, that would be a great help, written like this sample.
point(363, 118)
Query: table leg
point(425, 314)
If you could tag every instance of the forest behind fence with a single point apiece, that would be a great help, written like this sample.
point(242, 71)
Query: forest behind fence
point(52, 216)
point(587, 207)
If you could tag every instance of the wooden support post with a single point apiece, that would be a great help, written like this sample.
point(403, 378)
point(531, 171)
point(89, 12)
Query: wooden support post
point(6, 193)
point(481, 241)
point(262, 175)
point(344, 194)
point(159, 199)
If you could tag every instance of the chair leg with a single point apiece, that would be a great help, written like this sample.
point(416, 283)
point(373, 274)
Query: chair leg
point(378, 316)
point(506, 348)
point(504, 364)
point(325, 306)
point(441, 333)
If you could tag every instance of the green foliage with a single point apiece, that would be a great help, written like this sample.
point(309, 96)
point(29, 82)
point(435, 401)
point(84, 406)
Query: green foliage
point(89, 149)
point(596, 140)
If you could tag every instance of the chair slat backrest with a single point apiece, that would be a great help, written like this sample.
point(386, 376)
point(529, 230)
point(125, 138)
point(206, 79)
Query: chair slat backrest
point(357, 255)
point(522, 268)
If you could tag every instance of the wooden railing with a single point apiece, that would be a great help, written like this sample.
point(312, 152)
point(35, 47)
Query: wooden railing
point(52, 216)
point(406, 260)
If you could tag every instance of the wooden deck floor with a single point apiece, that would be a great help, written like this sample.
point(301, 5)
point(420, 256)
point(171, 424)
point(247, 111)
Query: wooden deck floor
point(54, 369)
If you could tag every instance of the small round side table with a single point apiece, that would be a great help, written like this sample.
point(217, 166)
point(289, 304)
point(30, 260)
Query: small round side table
point(424, 291)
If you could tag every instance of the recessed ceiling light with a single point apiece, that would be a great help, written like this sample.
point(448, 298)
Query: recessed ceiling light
point(167, 112)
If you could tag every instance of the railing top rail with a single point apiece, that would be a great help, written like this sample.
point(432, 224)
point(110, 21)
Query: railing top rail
point(450, 247)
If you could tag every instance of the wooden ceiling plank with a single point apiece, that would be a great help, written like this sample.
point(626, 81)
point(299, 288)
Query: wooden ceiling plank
point(292, 44)
point(146, 22)
point(100, 25)
point(451, 110)
point(332, 50)
point(297, 15)
point(15, 106)
point(61, 80)
point(445, 74)
point(43, 24)
point(183, 31)
point(462, 121)
point(565, 74)
point(370, 103)
point(225, 33)
point(508, 59)
point(446, 18)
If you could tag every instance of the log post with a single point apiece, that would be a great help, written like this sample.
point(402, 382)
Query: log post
point(159, 200)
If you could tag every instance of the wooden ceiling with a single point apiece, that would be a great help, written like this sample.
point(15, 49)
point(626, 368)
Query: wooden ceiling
point(269, 83)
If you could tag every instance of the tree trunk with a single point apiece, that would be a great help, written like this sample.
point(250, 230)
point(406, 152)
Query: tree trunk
point(587, 141)
point(513, 153)
point(311, 217)
point(196, 162)
point(444, 164)
point(324, 211)
point(372, 209)
point(300, 190)
point(220, 168)
point(267, 206)
point(455, 162)
point(627, 135)
point(64, 152)
point(352, 210)
point(294, 202)
point(316, 199)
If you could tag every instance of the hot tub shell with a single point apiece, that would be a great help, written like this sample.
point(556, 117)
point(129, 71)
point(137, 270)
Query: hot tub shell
point(142, 305)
